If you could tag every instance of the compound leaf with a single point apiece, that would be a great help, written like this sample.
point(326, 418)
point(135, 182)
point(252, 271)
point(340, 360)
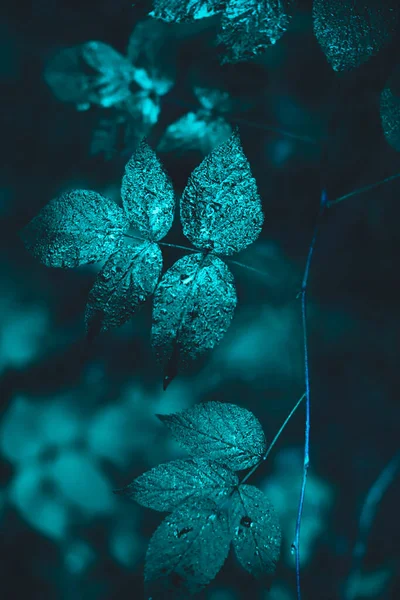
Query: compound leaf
point(220, 206)
point(351, 31)
point(91, 73)
point(248, 28)
point(256, 531)
point(180, 11)
point(76, 228)
point(187, 550)
point(147, 193)
point(219, 431)
point(166, 486)
point(122, 286)
point(193, 307)
point(390, 109)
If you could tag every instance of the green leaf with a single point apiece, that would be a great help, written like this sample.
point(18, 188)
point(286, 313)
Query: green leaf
point(193, 307)
point(166, 486)
point(390, 109)
point(180, 11)
point(219, 431)
point(220, 206)
point(351, 31)
point(122, 286)
point(147, 193)
point(250, 27)
point(187, 550)
point(76, 228)
point(256, 531)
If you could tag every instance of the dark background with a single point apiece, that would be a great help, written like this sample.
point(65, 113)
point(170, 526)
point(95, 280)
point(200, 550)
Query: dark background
point(68, 409)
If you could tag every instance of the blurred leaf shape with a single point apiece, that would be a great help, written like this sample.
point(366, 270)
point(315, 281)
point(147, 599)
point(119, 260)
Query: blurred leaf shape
point(219, 431)
point(187, 550)
point(77, 228)
point(168, 485)
point(249, 28)
point(193, 308)
point(352, 31)
point(210, 506)
point(195, 300)
point(220, 205)
point(181, 11)
point(390, 109)
point(256, 531)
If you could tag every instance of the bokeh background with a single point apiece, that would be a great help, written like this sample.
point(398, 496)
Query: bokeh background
point(77, 421)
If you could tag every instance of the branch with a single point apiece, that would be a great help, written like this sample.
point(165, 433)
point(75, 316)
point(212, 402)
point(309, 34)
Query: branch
point(366, 188)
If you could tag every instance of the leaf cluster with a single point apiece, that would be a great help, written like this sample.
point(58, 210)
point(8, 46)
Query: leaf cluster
point(209, 508)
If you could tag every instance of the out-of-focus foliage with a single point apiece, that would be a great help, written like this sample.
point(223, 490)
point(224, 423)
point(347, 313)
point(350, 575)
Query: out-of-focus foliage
point(390, 109)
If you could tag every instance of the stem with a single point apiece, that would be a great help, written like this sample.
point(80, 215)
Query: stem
point(272, 444)
point(368, 512)
point(301, 138)
point(306, 461)
point(363, 189)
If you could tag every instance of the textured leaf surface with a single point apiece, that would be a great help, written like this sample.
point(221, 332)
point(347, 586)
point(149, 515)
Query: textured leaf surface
point(351, 31)
point(147, 193)
point(91, 73)
point(256, 531)
point(187, 550)
point(193, 307)
point(195, 131)
point(76, 228)
point(179, 11)
point(219, 431)
point(390, 110)
point(152, 49)
point(220, 206)
point(250, 27)
point(122, 286)
point(168, 485)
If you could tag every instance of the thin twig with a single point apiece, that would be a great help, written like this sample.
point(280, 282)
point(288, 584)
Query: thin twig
point(272, 444)
point(367, 516)
point(306, 461)
point(366, 188)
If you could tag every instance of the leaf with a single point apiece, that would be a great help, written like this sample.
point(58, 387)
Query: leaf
point(256, 531)
point(193, 307)
point(122, 286)
point(180, 11)
point(351, 31)
point(76, 228)
point(249, 28)
point(91, 73)
point(195, 131)
point(390, 110)
point(187, 550)
point(152, 49)
point(166, 486)
point(147, 193)
point(219, 431)
point(220, 206)
point(213, 99)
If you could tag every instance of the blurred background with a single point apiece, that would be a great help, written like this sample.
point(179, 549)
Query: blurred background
point(77, 421)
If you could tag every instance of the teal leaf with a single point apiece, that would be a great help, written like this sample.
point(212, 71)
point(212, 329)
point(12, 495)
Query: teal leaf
point(166, 486)
point(147, 193)
point(219, 431)
point(187, 550)
point(351, 31)
point(256, 531)
point(195, 131)
point(220, 206)
point(390, 109)
point(193, 307)
point(91, 73)
point(76, 228)
point(122, 286)
point(250, 27)
point(180, 11)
